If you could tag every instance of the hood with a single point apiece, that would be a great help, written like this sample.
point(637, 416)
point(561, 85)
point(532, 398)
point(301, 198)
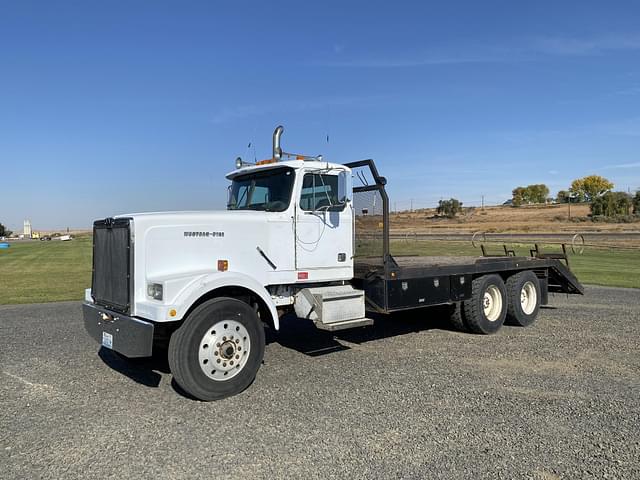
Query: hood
point(195, 216)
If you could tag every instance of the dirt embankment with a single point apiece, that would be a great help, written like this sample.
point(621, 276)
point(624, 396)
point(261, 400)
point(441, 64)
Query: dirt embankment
point(535, 218)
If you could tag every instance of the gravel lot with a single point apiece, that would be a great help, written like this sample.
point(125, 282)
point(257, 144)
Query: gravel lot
point(407, 398)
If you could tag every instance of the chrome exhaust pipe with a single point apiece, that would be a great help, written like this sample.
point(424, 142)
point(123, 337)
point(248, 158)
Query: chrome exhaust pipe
point(277, 151)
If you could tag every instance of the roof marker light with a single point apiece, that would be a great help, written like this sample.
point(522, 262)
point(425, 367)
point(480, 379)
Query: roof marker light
point(267, 161)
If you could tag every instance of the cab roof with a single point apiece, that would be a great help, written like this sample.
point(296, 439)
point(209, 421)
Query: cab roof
point(295, 164)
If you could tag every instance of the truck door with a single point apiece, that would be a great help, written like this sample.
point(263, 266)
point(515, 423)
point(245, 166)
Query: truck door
point(323, 223)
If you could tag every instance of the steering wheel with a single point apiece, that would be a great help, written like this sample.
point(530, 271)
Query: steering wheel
point(276, 205)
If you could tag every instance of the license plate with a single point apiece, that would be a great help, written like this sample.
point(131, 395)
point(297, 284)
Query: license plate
point(107, 340)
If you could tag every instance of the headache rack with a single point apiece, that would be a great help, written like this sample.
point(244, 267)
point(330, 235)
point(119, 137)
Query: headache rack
point(371, 210)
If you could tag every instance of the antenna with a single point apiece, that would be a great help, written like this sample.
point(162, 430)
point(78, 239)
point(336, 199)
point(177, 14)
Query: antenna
point(251, 144)
point(328, 121)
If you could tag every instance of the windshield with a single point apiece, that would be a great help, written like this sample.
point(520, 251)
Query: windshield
point(269, 190)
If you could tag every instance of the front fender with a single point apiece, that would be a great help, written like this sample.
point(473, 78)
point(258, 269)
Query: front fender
point(204, 284)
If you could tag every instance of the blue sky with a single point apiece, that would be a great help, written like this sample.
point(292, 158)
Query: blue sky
point(113, 107)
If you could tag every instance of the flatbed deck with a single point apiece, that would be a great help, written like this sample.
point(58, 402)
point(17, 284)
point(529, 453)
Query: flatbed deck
point(422, 261)
point(408, 281)
point(409, 266)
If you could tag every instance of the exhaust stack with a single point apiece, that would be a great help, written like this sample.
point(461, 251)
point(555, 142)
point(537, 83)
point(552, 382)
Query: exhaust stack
point(277, 151)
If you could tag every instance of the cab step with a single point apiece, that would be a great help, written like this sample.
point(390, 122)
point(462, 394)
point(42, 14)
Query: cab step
point(332, 327)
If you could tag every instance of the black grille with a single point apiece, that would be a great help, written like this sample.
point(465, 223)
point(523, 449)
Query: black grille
point(112, 263)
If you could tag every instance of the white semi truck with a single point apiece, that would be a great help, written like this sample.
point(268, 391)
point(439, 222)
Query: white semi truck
point(297, 237)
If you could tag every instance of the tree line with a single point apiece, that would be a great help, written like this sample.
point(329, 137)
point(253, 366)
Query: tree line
point(4, 232)
point(537, 193)
point(596, 190)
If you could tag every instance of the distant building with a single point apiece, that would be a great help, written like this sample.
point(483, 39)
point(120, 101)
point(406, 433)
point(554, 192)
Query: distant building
point(27, 229)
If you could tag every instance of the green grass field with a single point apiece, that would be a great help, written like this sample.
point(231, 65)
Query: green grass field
point(36, 272)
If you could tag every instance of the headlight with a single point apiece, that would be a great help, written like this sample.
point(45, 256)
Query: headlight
point(154, 290)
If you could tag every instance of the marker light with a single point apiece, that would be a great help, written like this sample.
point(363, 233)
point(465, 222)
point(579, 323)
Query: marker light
point(267, 161)
point(239, 162)
point(223, 265)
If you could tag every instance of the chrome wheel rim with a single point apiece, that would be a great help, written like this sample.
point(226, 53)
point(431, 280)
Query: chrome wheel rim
point(528, 298)
point(224, 350)
point(492, 303)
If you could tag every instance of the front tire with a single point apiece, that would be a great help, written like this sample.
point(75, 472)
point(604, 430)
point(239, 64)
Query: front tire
point(486, 310)
point(217, 351)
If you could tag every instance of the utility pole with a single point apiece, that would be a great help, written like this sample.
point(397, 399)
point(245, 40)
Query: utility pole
point(482, 202)
point(412, 205)
point(569, 198)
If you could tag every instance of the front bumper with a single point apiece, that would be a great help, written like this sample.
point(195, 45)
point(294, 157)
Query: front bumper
point(129, 336)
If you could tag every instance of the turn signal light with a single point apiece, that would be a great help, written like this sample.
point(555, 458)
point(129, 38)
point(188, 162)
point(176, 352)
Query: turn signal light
point(223, 265)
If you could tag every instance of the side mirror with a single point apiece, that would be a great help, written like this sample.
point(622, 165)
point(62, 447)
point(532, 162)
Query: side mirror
point(345, 187)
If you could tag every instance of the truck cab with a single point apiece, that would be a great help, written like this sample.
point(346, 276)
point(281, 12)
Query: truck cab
point(308, 218)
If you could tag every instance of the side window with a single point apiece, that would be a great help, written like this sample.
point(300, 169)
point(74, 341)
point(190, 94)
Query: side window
point(320, 192)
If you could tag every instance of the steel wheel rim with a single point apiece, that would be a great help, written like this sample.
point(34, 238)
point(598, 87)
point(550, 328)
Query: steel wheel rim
point(224, 350)
point(528, 298)
point(492, 303)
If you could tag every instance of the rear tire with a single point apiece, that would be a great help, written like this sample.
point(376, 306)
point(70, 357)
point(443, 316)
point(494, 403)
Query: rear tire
point(457, 319)
point(452, 312)
point(486, 310)
point(523, 292)
point(218, 350)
